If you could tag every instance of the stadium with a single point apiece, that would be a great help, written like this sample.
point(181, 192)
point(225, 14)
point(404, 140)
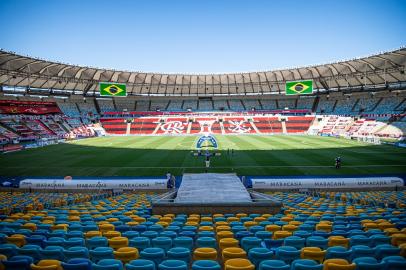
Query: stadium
point(288, 168)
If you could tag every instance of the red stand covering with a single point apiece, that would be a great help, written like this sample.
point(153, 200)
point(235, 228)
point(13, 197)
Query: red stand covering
point(28, 107)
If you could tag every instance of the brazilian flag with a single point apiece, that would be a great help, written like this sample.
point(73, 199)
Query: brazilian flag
point(299, 87)
point(113, 89)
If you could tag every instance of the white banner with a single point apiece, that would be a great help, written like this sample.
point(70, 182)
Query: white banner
point(326, 183)
point(132, 184)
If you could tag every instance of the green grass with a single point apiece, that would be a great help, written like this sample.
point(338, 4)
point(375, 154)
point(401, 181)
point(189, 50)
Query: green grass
point(253, 155)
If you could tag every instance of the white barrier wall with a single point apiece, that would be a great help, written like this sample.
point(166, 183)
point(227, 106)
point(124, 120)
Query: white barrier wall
point(130, 184)
point(326, 183)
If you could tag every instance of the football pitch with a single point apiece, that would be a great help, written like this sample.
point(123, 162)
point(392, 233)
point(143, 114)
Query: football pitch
point(157, 155)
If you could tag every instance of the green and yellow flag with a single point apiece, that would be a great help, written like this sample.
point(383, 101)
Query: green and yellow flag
point(113, 89)
point(299, 87)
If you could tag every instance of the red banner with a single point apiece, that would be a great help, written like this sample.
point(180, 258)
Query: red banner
point(28, 107)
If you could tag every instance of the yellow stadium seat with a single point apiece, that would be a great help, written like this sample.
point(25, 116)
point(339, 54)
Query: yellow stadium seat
point(29, 226)
point(16, 239)
point(47, 265)
point(118, 242)
point(280, 234)
point(224, 234)
point(272, 228)
point(126, 254)
point(238, 264)
point(111, 234)
point(205, 253)
point(338, 264)
point(313, 253)
point(398, 239)
point(232, 253)
point(228, 242)
point(106, 227)
point(222, 228)
point(91, 234)
point(338, 241)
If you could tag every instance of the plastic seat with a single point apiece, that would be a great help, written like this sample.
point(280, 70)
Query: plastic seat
point(206, 265)
point(179, 253)
point(32, 251)
point(250, 242)
point(287, 254)
point(183, 241)
point(361, 251)
point(368, 263)
point(106, 227)
point(398, 238)
point(281, 234)
point(53, 252)
point(36, 240)
point(228, 242)
point(313, 253)
point(338, 252)
point(97, 241)
point(101, 253)
point(172, 265)
point(238, 264)
point(18, 263)
point(74, 242)
point(111, 234)
point(273, 265)
point(140, 264)
point(16, 239)
point(306, 264)
point(317, 241)
point(118, 242)
point(150, 234)
point(273, 244)
point(91, 234)
point(394, 263)
point(206, 242)
point(204, 253)
point(379, 239)
point(294, 241)
point(126, 254)
point(360, 240)
point(162, 242)
point(131, 234)
point(257, 255)
point(55, 241)
point(154, 254)
point(233, 252)
point(263, 235)
point(338, 264)
point(76, 252)
point(47, 265)
point(140, 242)
point(338, 241)
point(384, 250)
point(108, 264)
point(77, 264)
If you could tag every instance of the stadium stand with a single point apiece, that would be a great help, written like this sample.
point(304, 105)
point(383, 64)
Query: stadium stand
point(312, 231)
point(175, 105)
point(105, 105)
point(205, 105)
point(250, 104)
point(190, 104)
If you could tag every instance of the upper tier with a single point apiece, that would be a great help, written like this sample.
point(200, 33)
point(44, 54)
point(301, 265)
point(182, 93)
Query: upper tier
point(380, 69)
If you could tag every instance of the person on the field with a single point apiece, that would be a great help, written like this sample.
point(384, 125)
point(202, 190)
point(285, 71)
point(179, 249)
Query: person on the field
point(207, 161)
point(168, 180)
point(173, 181)
point(338, 162)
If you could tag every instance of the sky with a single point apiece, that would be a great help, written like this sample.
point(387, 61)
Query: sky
point(200, 37)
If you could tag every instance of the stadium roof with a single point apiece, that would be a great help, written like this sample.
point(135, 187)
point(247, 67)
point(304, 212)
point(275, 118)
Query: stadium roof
point(380, 69)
